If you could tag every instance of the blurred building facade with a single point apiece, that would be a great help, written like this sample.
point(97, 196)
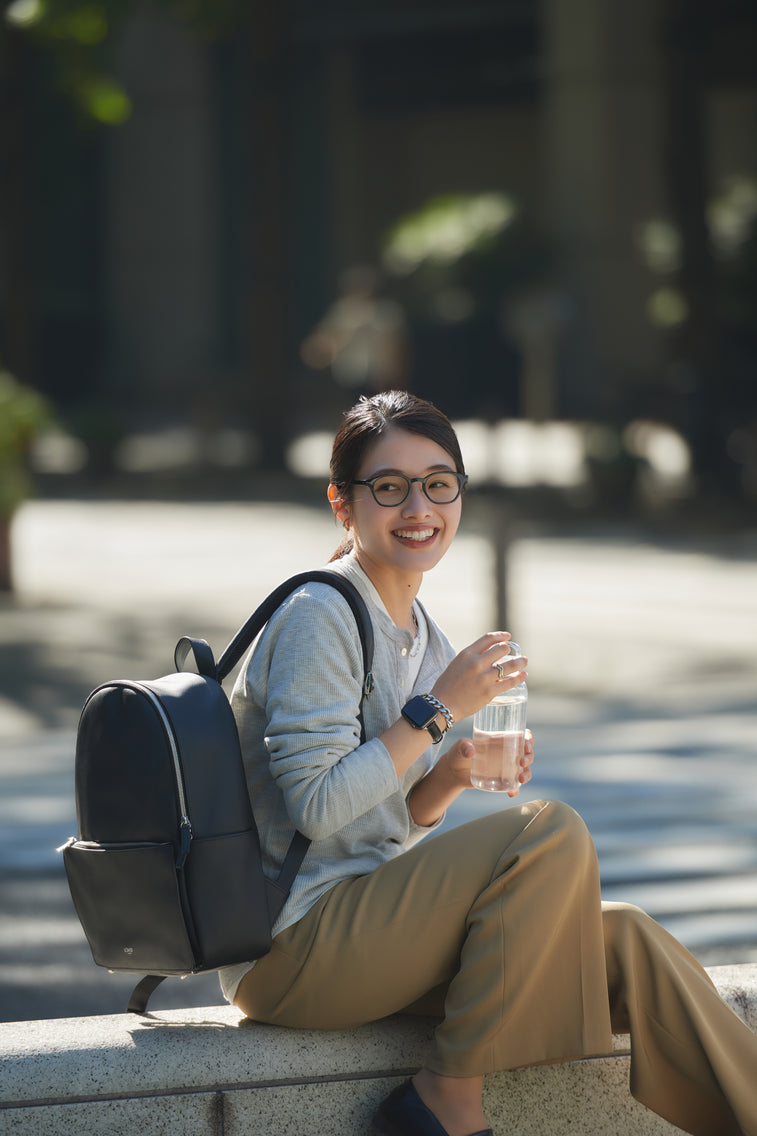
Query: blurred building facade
point(173, 265)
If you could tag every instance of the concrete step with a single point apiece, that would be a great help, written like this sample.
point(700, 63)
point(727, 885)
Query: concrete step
point(210, 1072)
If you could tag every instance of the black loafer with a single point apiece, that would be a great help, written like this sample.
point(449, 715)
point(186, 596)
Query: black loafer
point(403, 1113)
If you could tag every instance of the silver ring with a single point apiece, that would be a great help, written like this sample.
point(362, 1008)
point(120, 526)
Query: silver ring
point(500, 671)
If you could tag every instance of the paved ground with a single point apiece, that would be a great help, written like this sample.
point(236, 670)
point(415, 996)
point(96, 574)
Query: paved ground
point(643, 701)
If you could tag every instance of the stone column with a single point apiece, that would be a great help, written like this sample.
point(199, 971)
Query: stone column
point(160, 229)
point(602, 136)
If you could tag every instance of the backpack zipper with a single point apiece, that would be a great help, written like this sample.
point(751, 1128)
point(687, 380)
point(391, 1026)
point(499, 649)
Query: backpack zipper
point(185, 824)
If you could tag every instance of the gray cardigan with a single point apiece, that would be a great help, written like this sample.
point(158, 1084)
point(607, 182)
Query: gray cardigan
point(296, 702)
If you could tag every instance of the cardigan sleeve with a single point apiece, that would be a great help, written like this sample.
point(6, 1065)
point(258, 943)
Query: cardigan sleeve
point(309, 671)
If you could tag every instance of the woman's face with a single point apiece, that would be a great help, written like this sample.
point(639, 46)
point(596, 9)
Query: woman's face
point(407, 538)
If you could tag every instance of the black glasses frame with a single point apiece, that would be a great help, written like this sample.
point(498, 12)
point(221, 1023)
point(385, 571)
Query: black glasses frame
point(461, 478)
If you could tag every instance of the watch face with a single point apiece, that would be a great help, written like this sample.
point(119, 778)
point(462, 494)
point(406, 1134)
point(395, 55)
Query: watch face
point(419, 713)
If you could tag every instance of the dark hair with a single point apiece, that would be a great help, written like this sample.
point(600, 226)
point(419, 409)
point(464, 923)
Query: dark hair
point(365, 423)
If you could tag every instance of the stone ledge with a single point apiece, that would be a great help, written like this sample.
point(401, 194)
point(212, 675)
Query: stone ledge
point(209, 1071)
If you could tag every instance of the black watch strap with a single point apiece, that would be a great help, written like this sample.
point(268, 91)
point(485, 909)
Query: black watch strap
point(433, 729)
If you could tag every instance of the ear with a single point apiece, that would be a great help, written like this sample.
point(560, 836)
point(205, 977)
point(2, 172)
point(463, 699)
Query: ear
point(339, 506)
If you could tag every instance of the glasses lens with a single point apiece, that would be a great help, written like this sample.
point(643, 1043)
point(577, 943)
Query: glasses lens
point(391, 489)
point(442, 488)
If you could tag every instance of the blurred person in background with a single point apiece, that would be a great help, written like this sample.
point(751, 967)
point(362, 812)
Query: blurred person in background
point(362, 337)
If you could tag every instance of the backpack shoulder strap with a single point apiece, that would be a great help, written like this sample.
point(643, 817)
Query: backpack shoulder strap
point(203, 654)
point(257, 621)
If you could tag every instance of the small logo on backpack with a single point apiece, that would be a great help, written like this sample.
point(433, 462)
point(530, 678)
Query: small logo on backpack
point(128, 950)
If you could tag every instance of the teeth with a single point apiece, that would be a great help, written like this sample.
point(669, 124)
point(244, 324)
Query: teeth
point(414, 534)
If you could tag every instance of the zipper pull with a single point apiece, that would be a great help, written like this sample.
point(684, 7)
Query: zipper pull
point(185, 839)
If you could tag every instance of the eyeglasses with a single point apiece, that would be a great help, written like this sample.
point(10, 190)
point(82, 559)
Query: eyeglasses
point(441, 488)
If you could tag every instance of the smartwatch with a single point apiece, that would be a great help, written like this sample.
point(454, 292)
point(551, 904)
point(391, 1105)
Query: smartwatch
point(421, 715)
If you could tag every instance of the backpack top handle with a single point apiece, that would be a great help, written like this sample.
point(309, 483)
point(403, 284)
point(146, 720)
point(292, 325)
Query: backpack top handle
point(203, 655)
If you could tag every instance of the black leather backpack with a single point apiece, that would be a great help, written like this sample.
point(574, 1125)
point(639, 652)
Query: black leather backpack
point(166, 873)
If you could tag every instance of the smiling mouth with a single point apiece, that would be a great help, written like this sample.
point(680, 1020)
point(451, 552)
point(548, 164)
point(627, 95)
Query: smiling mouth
point(417, 536)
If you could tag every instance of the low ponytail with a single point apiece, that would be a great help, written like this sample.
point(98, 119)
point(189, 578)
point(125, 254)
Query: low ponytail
point(344, 548)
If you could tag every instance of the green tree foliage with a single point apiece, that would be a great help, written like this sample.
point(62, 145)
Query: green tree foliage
point(483, 246)
point(79, 36)
point(23, 413)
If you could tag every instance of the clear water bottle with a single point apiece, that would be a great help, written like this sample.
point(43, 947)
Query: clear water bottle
point(499, 735)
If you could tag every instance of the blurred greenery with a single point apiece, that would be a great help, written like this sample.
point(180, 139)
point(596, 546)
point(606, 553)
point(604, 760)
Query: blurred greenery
point(79, 36)
point(23, 414)
point(482, 247)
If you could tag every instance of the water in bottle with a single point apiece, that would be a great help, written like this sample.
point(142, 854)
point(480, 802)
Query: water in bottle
point(499, 737)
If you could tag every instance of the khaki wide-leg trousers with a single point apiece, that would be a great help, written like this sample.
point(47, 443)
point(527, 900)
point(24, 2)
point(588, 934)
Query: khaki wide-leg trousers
point(497, 926)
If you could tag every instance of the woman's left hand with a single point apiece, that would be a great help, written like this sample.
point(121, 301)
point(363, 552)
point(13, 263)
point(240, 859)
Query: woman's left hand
point(451, 775)
point(525, 763)
point(457, 761)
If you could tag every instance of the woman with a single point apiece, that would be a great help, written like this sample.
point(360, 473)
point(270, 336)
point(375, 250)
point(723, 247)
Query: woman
point(496, 926)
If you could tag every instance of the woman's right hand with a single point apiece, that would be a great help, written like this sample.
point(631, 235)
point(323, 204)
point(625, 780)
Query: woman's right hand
point(472, 679)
